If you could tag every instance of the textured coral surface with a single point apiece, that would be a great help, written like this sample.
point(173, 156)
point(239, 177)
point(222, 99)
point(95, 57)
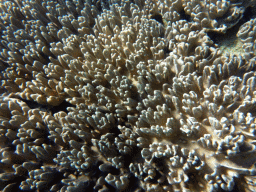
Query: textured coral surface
point(128, 95)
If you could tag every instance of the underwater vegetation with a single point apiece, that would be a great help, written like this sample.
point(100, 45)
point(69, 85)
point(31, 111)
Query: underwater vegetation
point(128, 95)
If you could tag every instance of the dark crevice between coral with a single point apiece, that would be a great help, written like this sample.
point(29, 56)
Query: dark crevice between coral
point(237, 188)
point(4, 64)
point(184, 16)
point(70, 8)
point(87, 185)
point(134, 185)
point(244, 69)
point(113, 171)
point(33, 104)
point(219, 37)
point(13, 184)
point(101, 5)
point(166, 50)
point(156, 178)
point(134, 156)
point(107, 84)
point(109, 168)
point(49, 56)
point(246, 159)
point(194, 181)
point(53, 109)
point(114, 130)
point(158, 18)
point(99, 174)
point(135, 95)
point(249, 13)
point(61, 107)
point(253, 111)
point(57, 179)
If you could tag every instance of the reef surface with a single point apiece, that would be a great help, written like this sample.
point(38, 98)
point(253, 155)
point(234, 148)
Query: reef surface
point(128, 95)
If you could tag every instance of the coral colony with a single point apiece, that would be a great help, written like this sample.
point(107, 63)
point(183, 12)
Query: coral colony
point(133, 96)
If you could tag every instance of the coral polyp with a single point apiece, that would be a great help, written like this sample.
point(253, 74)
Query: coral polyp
point(124, 95)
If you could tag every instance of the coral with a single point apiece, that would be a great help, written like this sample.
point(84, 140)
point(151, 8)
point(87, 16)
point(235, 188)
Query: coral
point(124, 95)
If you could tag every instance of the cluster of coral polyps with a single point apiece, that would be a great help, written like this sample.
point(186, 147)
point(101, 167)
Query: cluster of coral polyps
point(126, 95)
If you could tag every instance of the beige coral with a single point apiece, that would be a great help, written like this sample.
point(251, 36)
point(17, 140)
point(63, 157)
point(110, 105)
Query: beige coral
point(127, 96)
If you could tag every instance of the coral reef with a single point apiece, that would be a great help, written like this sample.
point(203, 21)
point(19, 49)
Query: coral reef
point(128, 95)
